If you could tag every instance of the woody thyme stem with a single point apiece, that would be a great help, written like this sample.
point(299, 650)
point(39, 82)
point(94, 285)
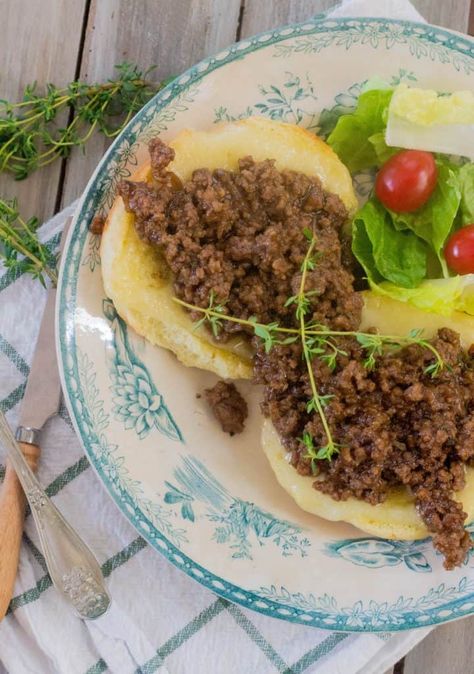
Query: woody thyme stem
point(301, 312)
point(395, 340)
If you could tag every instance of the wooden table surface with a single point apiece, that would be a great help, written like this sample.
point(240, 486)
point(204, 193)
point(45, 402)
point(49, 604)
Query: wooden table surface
point(60, 40)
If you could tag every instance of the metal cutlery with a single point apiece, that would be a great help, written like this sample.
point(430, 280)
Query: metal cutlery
point(72, 566)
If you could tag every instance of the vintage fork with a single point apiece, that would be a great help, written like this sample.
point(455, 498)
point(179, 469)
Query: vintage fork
point(73, 568)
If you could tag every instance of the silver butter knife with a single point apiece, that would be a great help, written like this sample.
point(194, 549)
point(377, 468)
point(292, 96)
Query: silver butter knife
point(73, 568)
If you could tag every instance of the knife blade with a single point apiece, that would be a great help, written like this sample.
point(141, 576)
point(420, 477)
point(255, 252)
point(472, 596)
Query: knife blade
point(43, 389)
point(42, 395)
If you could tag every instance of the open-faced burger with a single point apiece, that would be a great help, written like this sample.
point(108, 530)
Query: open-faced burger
point(368, 400)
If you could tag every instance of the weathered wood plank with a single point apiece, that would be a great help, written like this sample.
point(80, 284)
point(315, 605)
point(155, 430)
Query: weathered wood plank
point(173, 34)
point(259, 16)
point(448, 13)
point(39, 41)
point(447, 650)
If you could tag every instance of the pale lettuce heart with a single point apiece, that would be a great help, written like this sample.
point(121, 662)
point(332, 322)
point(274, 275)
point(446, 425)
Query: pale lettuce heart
point(441, 296)
point(421, 119)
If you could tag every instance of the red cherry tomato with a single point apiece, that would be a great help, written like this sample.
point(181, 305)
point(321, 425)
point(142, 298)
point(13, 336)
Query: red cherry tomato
point(406, 181)
point(459, 251)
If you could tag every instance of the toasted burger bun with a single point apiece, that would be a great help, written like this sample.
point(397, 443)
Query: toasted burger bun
point(396, 517)
point(138, 281)
point(136, 277)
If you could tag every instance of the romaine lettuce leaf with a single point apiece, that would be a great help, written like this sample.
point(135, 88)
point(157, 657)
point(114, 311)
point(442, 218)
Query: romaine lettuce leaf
point(398, 250)
point(433, 222)
point(466, 179)
point(350, 139)
point(382, 151)
point(362, 249)
point(385, 252)
point(441, 296)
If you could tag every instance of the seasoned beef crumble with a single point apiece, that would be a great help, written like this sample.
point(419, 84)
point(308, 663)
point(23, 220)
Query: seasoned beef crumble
point(228, 405)
point(97, 225)
point(395, 424)
point(239, 237)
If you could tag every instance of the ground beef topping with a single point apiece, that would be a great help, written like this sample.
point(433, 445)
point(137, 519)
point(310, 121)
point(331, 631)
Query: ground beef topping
point(229, 407)
point(97, 225)
point(395, 425)
point(239, 237)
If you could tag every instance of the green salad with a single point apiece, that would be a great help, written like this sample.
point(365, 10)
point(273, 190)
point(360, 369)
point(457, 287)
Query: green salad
point(412, 237)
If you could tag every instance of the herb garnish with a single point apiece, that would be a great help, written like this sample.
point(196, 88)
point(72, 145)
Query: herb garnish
point(30, 136)
point(312, 348)
point(322, 454)
point(214, 316)
point(318, 341)
point(20, 248)
point(373, 343)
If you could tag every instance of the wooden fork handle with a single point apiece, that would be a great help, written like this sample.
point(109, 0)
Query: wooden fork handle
point(12, 515)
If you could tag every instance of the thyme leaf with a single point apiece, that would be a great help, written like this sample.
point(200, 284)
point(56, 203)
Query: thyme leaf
point(20, 248)
point(31, 135)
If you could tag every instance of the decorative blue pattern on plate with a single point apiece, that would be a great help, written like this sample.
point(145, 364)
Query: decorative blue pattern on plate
point(422, 41)
point(137, 402)
point(135, 471)
point(238, 523)
point(374, 615)
point(377, 552)
point(107, 459)
point(91, 257)
point(292, 102)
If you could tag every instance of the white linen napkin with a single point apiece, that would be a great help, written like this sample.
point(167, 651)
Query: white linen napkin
point(160, 620)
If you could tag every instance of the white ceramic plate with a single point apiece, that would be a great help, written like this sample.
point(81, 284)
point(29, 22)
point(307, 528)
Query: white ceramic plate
point(208, 502)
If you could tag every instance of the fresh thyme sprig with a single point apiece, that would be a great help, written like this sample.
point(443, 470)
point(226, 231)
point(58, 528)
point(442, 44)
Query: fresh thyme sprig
point(317, 454)
point(374, 344)
point(317, 336)
point(213, 315)
point(30, 136)
point(20, 248)
point(311, 349)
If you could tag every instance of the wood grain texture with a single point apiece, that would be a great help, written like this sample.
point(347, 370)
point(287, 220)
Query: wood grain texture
point(172, 34)
point(447, 650)
point(452, 14)
point(260, 15)
point(12, 514)
point(39, 40)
